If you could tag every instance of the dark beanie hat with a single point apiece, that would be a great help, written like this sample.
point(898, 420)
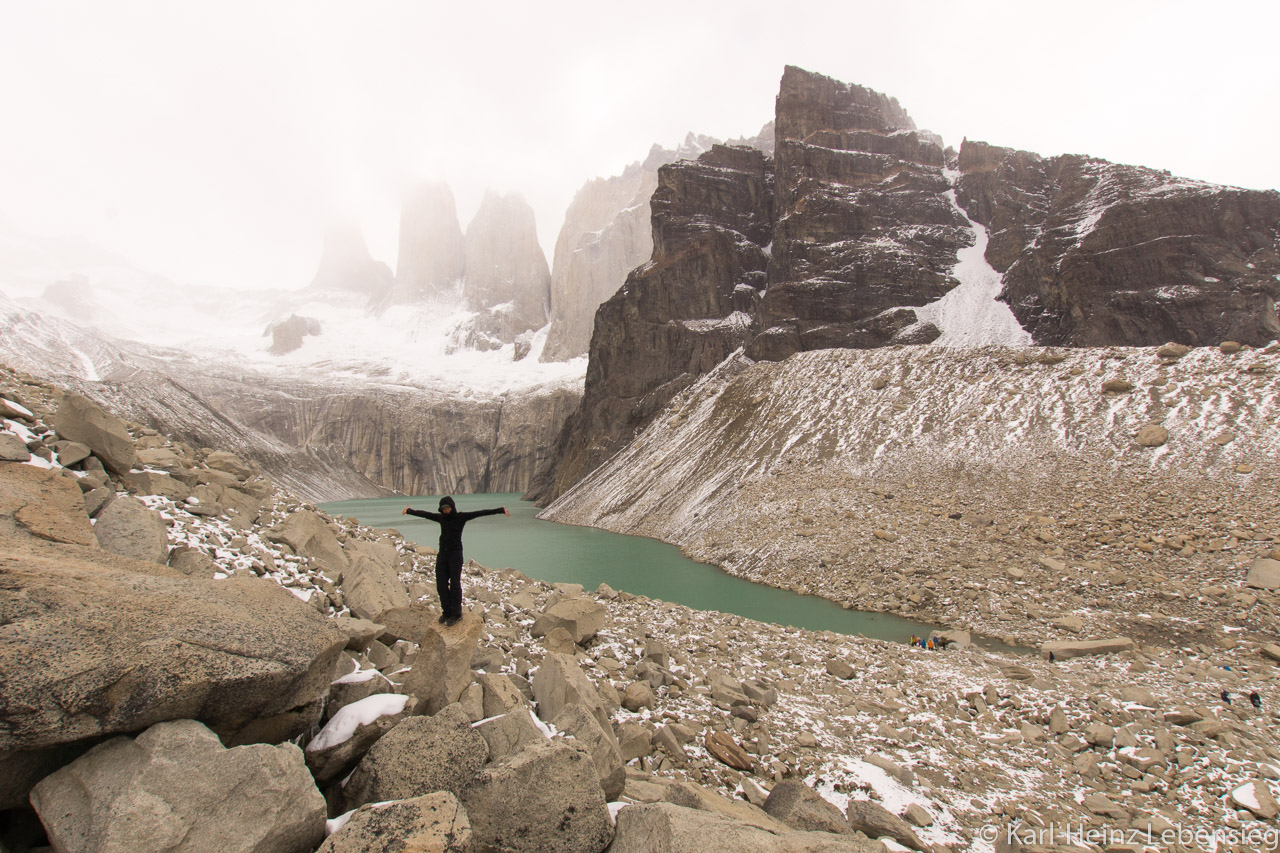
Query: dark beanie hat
point(447, 501)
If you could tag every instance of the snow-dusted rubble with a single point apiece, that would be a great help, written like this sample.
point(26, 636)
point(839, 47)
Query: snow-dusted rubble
point(989, 488)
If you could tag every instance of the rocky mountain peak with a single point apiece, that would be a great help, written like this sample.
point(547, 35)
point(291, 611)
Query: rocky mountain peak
point(809, 102)
point(347, 265)
point(856, 234)
point(1096, 253)
point(507, 278)
point(431, 257)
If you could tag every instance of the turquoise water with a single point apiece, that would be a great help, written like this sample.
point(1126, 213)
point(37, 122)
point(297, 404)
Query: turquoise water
point(560, 553)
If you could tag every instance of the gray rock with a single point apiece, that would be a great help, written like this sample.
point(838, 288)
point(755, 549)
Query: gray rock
point(151, 483)
point(726, 691)
point(96, 499)
point(42, 504)
point(682, 793)
point(634, 741)
point(840, 669)
point(638, 695)
point(176, 788)
point(600, 743)
point(245, 656)
point(875, 821)
point(310, 536)
point(560, 641)
point(72, 452)
point(1139, 696)
point(419, 756)
point(1264, 573)
point(1099, 734)
point(916, 815)
point(583, 618)
point(361, 632)
point(472, 702)
point(128, 528)
point(192, 562)
point(559, 682)
point(12, 448)
point(543, 799)
point(80, 419)
point(760, 692)
point(354, 686)
point(511, 732)
point(371, 587)
point(1152, 435)
point(221, 460)
point(897, 771)
point(1256, 796)
point(669, 828)
point(155, 457)
point(1062, 650)
point(442, 669)
point(500, 694)
point(800, 807)
point(435, 823)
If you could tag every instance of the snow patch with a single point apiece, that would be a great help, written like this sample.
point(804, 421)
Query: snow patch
point(971, 314)
point(342, 726)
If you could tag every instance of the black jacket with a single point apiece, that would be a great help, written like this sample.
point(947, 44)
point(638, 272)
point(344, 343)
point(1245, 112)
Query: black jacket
point(451, 524)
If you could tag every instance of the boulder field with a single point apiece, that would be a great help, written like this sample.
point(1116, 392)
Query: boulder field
point(275, 679)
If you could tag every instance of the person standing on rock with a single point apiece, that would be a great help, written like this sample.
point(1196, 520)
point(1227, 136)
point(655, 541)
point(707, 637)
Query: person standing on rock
point(449, 557)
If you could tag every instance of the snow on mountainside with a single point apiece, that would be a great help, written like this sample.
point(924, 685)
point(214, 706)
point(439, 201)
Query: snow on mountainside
point(851, 473)
point(971, 314)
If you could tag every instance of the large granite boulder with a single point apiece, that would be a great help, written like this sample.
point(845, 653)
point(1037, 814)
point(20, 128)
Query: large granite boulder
point(93, 644)
point(130, 528)
point(42, 503)
point(560, 682)
point(583, 618)
point(176, 789)
point(668, 828)
point(309, 535)
point(511, 732)
point(419, 756)
point(800, 807)
point(1066, 649)
point(442, 669)
point(581, 725)
point(543, 799)
point(875, 821)
point(80, 419)
point(434, 823)
point(371, 585)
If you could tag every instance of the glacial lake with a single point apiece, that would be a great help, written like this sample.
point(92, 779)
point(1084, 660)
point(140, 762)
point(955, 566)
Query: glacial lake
point(561, 553)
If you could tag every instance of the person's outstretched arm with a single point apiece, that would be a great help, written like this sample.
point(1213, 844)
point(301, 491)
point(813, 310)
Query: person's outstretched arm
point(422, 513)
point(467, 516)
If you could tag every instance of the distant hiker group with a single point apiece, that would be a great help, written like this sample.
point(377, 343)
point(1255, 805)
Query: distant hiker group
point(449, 555)
point(933, 643)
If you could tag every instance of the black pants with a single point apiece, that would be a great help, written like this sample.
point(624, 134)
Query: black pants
point(449, 582)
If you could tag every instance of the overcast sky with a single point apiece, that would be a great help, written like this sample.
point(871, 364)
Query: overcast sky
point(212, 141)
